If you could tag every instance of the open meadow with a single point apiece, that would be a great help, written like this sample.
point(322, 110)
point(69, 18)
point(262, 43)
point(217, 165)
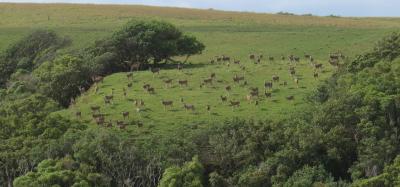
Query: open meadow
point(234, 34)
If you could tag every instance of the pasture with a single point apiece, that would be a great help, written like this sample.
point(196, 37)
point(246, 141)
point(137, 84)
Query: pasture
point(231, 33)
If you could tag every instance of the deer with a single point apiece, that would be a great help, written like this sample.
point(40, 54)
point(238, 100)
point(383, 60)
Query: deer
point(78, 114)
point(296, 81)
point(95, 109)
point(290, 98)
point(150, 90)
point(167, 103)
point(267, 94)
point(212, 75)
point(188, 107)
point(275, 78)
point(252, 57)
point(316, 75)
point(129, 75)
point(99, 120)
point(318, 66)
point(234, 103)
point(208, 81)
point(146, 86)
point(236, 62)
point(223, 98)
point(136, 66)
point(97, 79)
point(268, 85)
point(228, 88)
point(125, 115)
point(237, 79)
point(122, 125)
point(183, 83)
point(129, 85)
point(155, 70)
point(168, 83)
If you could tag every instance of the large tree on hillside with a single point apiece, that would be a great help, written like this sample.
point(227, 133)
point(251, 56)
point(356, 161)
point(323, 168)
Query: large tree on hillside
point(145, 42)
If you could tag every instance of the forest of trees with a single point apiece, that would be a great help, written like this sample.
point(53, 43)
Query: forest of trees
point(346, 135)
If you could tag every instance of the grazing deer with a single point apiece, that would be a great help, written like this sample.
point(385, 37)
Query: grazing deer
point(316, 75)
point(81, 89)
point(109, 124)
point(122, 125)
point(125, 115)
point(223, 98)
point(226, 58)
point(95, 109)
point(135, 66)
point(237, 79)
point(179, 67)
point(318, 66)
point(228, 88)
point(146, 86)
point(183, 83)
point(129, 75)
point(212, 75)
point(155, 70)
point(267, 85)
point(235, 103)
point(78, 114)
point(267, 94)
point(290, 98)
point(275, 78)
point(236, 62)
point(292, 72)
point(167, 103)
point(138, 102)
point(97, 79)
point(252, 57)
point(150, 90)
point(207, 81)
point(168, 83)
point(296, 81)
point(188, 107)
point(99, 120)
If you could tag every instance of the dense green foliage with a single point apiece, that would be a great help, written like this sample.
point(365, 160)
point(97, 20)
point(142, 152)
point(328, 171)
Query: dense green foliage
point(346, 135)
point(29, 52)
point(141, 42)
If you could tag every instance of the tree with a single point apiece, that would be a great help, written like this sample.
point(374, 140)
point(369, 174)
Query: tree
point(145, 42)
point(29, 52)
point(189, 175)
point(188, 45)
point(61, 79)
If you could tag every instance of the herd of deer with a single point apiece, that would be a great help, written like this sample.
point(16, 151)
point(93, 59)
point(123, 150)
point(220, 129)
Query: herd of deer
point(252, 97)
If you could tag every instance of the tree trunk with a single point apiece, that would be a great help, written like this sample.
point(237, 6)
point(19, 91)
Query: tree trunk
point(187, 58)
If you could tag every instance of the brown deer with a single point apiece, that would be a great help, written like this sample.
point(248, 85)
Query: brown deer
point(99, 120)
point(129, 75)
point(252, 57)
point(207, 81)
point(135, 66)
point(316, 75)
point(275, 78)
point(188, 107)
point(223, 98)
point(97, 79)
point(267, 94)
point(78, 114)
point(234, 103)
point(268, 85)
point(228, 88)
point(168, 83)
point(151, 90)
point(95, 109)
point(318, 66)
point(236, 62)
point(183, 83)
point(155, 70)
point(290, 98)
point(125, 115)
point(146, 86)
point(237, 79)
point(167, 103)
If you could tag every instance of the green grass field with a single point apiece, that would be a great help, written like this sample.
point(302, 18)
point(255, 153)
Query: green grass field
point(230, 33)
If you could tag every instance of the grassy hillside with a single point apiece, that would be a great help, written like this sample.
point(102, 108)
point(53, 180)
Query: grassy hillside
point(230, 33)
